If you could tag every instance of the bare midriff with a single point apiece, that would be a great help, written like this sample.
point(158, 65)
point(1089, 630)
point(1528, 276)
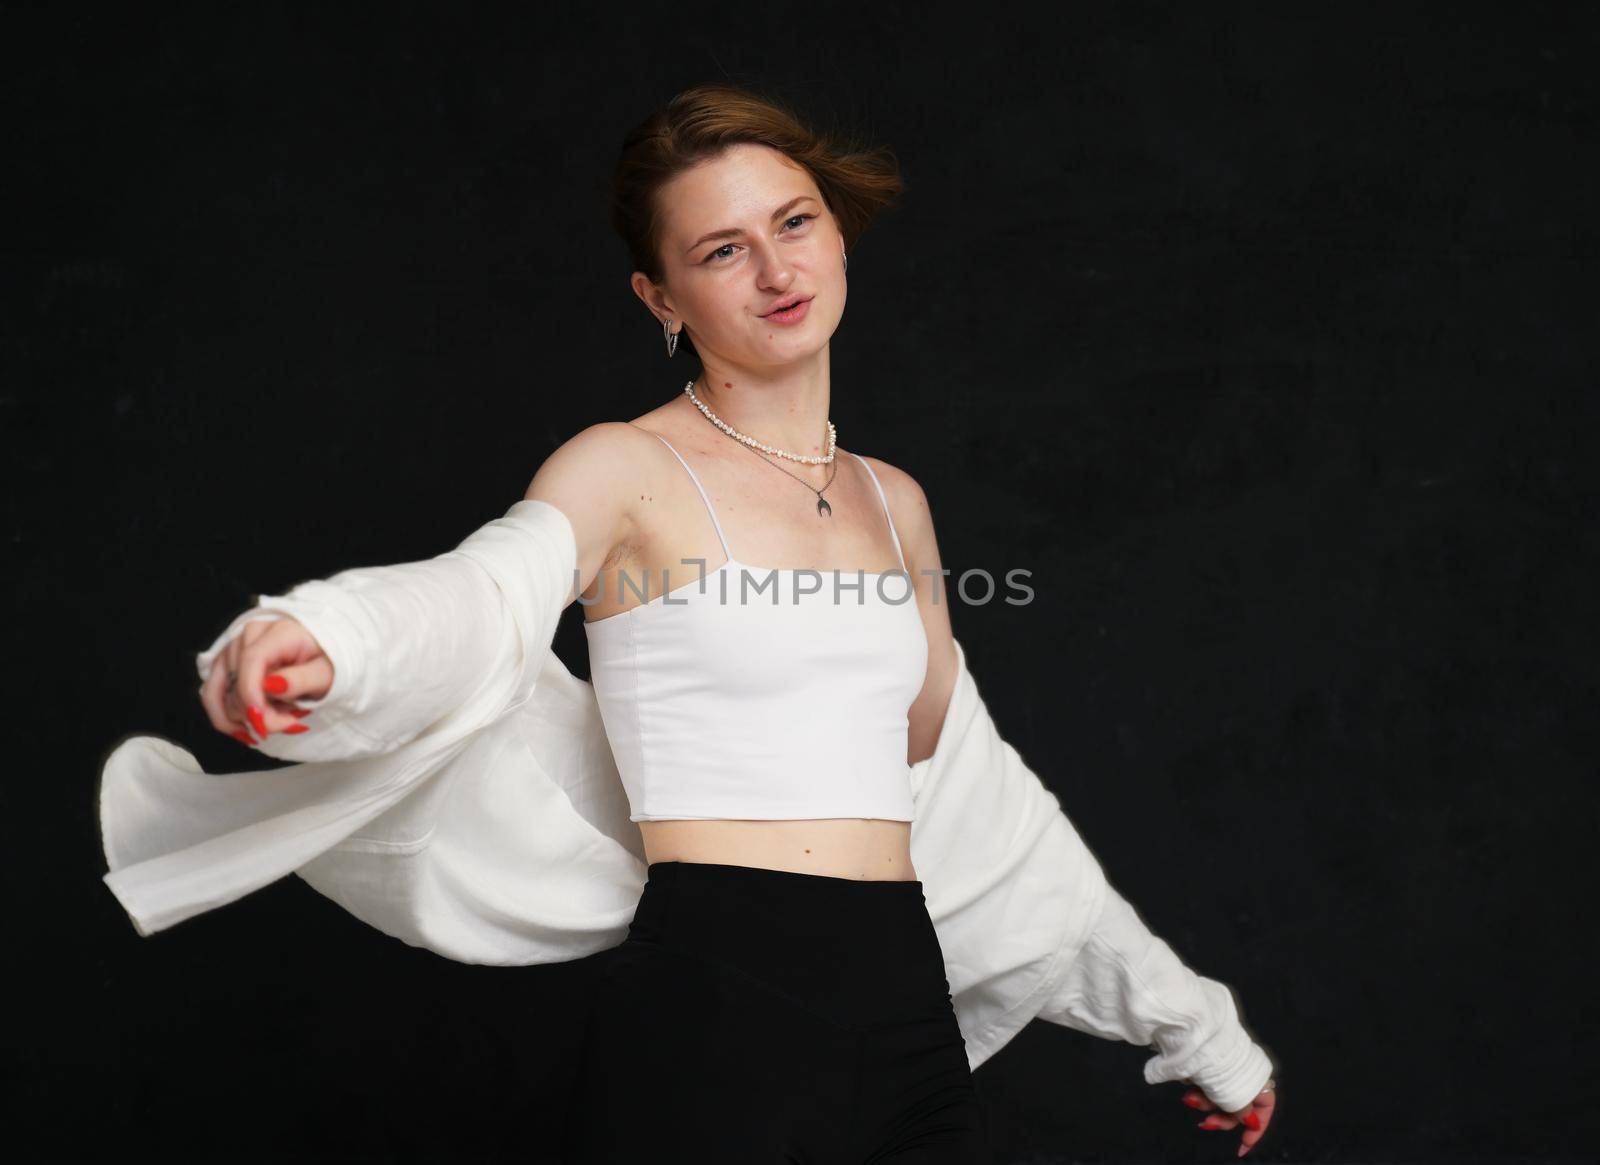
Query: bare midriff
point(871, 849)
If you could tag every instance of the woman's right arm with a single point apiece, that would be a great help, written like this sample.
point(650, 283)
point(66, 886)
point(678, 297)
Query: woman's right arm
point(379, 655)
point(596, 480)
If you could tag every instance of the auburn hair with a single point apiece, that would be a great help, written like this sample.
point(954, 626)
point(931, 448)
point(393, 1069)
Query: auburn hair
point(856, 181)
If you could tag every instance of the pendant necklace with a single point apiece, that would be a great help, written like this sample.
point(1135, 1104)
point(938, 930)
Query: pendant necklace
point(750, 443)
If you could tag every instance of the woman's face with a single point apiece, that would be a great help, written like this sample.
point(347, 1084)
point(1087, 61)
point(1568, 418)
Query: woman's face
point(770, 236)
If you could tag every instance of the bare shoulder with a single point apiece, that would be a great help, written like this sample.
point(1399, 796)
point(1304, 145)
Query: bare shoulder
point(908, 503)
point(594, 478)
point(593, 459)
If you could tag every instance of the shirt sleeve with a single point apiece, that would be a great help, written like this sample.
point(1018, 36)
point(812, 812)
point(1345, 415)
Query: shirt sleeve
point(415, 801)
point(1128, 984)
point(414, 648)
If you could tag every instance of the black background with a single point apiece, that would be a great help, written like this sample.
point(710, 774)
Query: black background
point(1263, 337)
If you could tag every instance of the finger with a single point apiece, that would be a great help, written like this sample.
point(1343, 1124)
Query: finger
point(251, 634)
point(1260, 1114)
point(1219, 1120)
point(1248, 1140)
point(212, 700)
point(310, 680)
point(232, 706)
point(286, 684)
point(1255, 1120)
point(262, 652)
point(304, 672)
point(1258, 1110)
point(1196, 1099)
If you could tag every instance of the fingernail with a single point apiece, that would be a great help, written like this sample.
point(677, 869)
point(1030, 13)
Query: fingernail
point(1194, 1102)
point(257, 720)
point(243, 737)
point(1243, 1149)
point(294, 729)
point(1208, 1123)
point(1251, 1120)
point(275, 684)
point(299, 711)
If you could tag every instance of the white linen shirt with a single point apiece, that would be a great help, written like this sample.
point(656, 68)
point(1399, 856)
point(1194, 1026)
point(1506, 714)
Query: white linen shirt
point(458, 793)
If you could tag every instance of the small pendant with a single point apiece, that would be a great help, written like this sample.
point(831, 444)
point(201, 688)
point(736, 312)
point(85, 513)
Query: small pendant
point(823, 507)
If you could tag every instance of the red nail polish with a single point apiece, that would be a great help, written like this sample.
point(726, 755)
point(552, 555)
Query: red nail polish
point(275, 684)
point(295, 729)
point(1194, 1102)
point(243, 737)
point(256, 720)
point(1251, 1120)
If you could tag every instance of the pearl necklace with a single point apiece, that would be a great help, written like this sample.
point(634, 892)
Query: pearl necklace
point(826, 459)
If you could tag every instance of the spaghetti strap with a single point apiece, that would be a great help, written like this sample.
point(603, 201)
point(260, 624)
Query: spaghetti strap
point(703, 497)
point(892, 532)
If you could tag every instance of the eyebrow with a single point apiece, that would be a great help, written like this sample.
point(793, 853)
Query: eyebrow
point(733, 232)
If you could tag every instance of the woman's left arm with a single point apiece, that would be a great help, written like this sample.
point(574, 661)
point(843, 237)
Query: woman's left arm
point(1126, 983)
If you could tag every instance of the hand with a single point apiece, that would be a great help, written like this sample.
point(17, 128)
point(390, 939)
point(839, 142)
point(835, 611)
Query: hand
point(1254, 1118)
point(253, 680)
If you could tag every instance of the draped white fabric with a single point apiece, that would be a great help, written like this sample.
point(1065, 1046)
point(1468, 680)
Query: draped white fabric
point(457, 792)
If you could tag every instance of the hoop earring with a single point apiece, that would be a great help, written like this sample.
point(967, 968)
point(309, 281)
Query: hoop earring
point(846, 260)
point(671, 337)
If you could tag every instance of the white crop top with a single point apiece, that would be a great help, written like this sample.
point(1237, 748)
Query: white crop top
point(732, 696)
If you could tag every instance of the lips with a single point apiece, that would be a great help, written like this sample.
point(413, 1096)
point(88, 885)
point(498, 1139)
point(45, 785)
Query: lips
point(785, 304)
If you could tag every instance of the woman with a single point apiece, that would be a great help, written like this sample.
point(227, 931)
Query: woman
point(781, 994)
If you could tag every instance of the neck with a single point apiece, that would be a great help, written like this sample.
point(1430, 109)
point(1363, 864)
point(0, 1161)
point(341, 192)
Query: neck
point(787, 409)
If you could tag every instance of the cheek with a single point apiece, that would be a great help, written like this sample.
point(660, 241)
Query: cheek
point(715, 308)
point(838, 287)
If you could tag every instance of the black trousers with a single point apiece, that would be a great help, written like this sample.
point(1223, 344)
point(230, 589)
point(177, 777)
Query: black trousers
point(757, 1016)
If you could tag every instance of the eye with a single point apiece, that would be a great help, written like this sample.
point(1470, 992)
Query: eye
point(802, 218)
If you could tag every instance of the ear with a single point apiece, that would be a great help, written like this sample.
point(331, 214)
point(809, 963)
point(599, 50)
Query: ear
point(651, 296)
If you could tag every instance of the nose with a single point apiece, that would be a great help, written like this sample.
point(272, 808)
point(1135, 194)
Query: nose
point(773, 269)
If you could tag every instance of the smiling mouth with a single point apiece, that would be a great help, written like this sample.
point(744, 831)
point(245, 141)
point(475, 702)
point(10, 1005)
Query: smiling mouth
point(786, 307)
